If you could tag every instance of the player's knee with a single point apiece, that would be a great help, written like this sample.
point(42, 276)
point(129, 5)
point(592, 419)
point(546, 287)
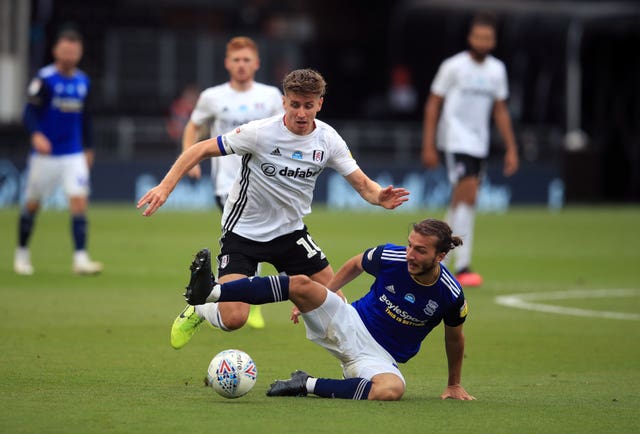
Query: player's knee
point(388, 388)
point(233, 315)
point(299, 284)
point(386, 394)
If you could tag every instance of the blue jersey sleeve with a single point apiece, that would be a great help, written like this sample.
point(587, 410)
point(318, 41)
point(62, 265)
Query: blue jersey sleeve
point(457, 314)
point(371, 260)
point(38, 97)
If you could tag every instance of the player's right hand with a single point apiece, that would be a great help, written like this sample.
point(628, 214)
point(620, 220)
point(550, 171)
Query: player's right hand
point(295, 315)
point(430, 157)
point(154, 199)
point(40, 143)
point(195, 172)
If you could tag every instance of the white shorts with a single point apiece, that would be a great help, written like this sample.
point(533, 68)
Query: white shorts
point(46, 172)
point(337, 327)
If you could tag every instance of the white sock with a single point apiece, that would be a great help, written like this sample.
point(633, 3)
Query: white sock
point(462, 224)
point(311, 384)
point(211, 313)
point(448, 217)
point(214, 295)
point(80, 256)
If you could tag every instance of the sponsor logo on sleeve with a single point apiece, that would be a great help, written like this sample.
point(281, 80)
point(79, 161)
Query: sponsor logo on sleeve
point(34, 86)
point(370, 254)
point(464, 310)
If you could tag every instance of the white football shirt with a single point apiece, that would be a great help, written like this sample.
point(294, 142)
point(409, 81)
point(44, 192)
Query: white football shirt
point(470, 90)
point(229, 108)
point(278, 175)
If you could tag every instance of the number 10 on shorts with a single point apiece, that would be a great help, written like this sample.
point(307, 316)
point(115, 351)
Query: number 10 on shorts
point(311, 247)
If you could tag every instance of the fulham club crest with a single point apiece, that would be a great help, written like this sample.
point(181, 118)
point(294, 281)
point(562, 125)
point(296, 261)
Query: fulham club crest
point(318, 156)
point(224, 261)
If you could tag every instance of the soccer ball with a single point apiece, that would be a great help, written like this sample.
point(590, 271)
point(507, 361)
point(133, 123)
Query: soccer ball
point(232, 373)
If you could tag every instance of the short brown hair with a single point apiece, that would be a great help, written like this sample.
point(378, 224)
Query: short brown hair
point(441, 230)
point(304, 82)
point(240, 42)
point(68, 34)
point(485, 19)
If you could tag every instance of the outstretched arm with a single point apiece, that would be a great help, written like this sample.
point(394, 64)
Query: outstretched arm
point(388, 197)
point(454, 345)
point(158, 195)
point(191, 134)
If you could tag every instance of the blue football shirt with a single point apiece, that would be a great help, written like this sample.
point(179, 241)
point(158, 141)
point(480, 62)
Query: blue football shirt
point(56, 108)
point(400, 312)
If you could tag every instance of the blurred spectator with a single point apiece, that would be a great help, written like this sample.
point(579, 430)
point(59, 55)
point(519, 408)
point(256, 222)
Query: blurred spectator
point(399, 102)
point(180, 111)
point(403, 96)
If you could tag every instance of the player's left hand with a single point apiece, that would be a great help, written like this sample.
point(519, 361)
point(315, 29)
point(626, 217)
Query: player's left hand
point(391, 198)
point(154, 198)
point(456, 392)
point(511, 162)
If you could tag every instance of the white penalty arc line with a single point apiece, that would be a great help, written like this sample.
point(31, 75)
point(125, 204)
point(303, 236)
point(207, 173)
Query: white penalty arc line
point(524, 301)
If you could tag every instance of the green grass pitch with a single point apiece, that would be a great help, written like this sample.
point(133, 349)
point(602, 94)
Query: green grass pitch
point(92, 354)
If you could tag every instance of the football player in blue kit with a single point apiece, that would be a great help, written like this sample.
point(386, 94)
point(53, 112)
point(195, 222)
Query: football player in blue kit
point(411, 294)
point(59, 129)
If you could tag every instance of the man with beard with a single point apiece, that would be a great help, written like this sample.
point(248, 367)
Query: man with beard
point(411, 294)
point(469, 87)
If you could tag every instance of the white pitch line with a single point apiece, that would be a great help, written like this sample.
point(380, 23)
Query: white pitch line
point(523, 301)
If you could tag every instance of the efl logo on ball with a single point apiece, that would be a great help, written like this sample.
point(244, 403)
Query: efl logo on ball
point(232, 373)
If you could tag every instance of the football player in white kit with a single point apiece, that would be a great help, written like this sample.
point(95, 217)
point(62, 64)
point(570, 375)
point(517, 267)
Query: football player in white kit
point(469, 87)
point(282, 157)
point(225, 107)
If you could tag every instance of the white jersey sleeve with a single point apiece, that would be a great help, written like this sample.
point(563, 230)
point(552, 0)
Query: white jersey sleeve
point(502, 87)
point(240, 141)
point(444, 79)
point(341, 159)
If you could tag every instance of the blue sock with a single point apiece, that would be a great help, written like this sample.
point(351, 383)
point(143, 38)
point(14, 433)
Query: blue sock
point(256, 290)
point(79, 230)
point(25, 227)
point(351, 388)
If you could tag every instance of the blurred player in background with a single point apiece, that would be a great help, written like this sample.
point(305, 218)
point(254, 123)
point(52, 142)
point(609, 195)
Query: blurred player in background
point(60, 133)
point(282, 157)
point(180, 112)
point(469, 87)
point(225, 107)
point(412, 293)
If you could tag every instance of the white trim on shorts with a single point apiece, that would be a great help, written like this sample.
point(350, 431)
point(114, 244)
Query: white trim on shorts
point(46, 172)
point(337, 326)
